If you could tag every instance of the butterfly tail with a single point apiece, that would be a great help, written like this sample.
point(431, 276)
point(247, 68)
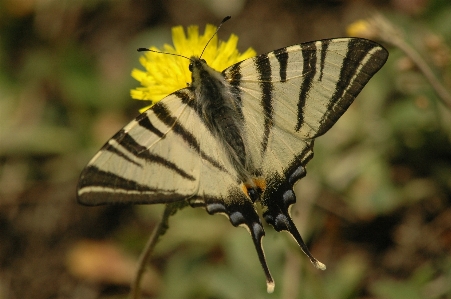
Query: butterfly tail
point(241, 212)
point(276, 202)
point(297, 236)
point(257, 234)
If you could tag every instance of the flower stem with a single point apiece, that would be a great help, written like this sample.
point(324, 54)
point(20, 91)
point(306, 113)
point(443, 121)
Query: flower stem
point(169, 210)
point(441, 91)
point(392, 35)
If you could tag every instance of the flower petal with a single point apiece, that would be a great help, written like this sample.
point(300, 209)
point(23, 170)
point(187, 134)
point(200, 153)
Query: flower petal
point(165, 74)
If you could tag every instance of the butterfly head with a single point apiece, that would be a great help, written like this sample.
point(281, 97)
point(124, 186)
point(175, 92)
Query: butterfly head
point(195, 62)
point(205, 77)
point(199, 69)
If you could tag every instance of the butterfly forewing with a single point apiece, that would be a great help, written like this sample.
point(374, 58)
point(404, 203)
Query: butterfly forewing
point(151, 160)
point(159, 158)
point(300, 91)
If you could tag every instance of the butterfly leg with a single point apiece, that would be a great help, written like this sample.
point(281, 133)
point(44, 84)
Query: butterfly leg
point(241, 212)
point(276, 201)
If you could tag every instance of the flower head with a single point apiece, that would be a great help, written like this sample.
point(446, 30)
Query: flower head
point(361, 28)
point(165, 74)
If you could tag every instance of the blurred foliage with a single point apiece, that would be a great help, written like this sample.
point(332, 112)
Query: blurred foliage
point(374, 207)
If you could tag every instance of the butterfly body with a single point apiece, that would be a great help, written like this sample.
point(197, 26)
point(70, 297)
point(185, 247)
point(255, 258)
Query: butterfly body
point(235, 137)
point(217, 106)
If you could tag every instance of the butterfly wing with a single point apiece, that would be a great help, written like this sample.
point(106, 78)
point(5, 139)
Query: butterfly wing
point(167, 154)
point(301, 91)
point(142, 162)
point(158, 158)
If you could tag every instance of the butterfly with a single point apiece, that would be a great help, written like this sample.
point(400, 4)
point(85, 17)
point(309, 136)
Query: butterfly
point(236, 137)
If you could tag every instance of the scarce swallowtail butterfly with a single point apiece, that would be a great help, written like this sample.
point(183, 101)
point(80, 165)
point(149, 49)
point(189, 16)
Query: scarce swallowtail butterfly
point(236, 137)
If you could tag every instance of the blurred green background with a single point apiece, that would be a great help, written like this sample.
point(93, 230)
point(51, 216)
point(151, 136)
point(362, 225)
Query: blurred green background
point(375, 206)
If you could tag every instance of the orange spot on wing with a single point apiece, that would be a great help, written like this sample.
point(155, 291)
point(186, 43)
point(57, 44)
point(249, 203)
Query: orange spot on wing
point(244, 189)
point(259, 182)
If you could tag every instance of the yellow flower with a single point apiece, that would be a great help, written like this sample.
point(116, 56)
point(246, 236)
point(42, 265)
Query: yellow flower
point(165, 74)
point(361, 28)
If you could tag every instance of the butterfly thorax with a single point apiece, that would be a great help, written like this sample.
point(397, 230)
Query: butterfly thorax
point(221, 113)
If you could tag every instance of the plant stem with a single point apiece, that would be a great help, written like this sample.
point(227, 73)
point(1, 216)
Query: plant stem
point(144, 259)
point(392, 35)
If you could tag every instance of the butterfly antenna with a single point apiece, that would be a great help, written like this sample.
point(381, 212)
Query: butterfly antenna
point(219, 26)
point(150, 50)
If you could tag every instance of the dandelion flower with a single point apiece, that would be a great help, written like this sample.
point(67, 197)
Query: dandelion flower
point(361, 28)
point(165, 74)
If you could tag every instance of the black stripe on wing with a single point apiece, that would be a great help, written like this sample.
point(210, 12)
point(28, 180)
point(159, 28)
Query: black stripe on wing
point(361, 62)
point(144, 121)
point(282, 58)
point(97, 187)
point(185, 98)
point(92, 176)
point(308, 73)
point(139, 151)
point(324, 49)
point(235, 79)
point(117, 152)
point(163, 113)
point(263, 66)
